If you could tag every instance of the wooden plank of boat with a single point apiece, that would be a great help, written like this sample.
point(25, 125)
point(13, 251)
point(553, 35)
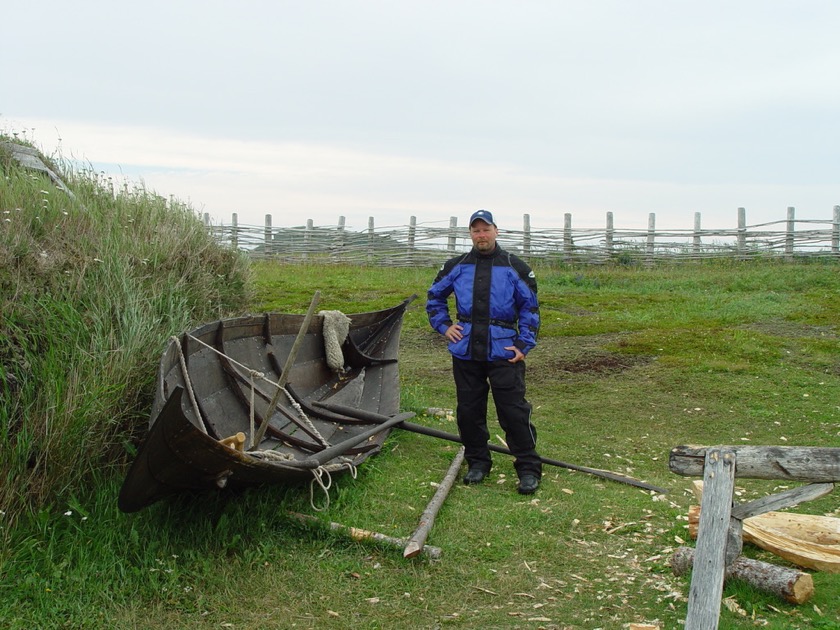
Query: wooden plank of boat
point(216, 382)
point(807, 540)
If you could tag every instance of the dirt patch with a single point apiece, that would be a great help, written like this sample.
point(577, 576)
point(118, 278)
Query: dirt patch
point(793, 330)
point(555, 358)
point(601, 363)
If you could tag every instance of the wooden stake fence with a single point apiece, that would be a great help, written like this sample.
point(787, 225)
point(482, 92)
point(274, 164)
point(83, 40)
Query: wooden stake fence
point(421, 244)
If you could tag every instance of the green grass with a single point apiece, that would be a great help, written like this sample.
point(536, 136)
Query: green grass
point(583, 553)
point(632, 361)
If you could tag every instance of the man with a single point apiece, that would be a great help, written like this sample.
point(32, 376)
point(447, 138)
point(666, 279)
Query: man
point(497, 319)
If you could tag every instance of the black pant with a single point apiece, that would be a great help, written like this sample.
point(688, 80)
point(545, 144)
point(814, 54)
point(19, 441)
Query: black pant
point(473, 382)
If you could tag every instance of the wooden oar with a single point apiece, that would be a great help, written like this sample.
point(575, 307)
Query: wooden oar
point(331, 452)
point(418, 428)
point(417, 540)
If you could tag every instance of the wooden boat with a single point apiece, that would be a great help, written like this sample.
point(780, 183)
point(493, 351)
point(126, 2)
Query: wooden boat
point(807, 540)
point(218, 384)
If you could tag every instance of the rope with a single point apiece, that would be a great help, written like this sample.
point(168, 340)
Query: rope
point(271, 455)
point(318, 475)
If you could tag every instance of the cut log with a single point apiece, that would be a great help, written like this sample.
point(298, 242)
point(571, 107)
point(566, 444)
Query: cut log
point(363, 534)
point(807, 540)
point(791, 585)
point(417, 540)
point(793, 463)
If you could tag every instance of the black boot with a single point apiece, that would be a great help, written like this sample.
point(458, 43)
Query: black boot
point(528, 484)
point(474, 475)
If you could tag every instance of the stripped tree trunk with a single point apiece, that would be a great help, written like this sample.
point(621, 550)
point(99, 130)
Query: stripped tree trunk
point(418, 539)
point(791, 585)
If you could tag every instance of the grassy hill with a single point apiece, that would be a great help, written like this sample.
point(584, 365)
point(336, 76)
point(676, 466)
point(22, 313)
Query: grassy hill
point(91, 285)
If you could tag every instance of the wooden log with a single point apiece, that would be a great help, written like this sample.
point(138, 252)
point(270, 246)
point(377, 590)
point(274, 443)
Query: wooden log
point(363, 534)
point(792, 463)
point(707, 577)
point(791, 585)
point(417, 540)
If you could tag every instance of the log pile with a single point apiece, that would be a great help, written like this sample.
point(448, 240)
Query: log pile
point(721, 525)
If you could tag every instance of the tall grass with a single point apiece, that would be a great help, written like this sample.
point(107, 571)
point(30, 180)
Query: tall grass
point(90, 289)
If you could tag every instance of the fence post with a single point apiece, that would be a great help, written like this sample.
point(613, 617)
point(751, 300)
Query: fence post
point(526, 235)
point(307, 239)
point(651, 234)
point(568, 242)
point(835, 231)
point(609, 234)
point(742, 230)
point(370, 239)
point(450, 242)
point(412, 235)
point(269, 249)
point(338, 241)
point(791, 214)
point(696, 239)
point(234, 230)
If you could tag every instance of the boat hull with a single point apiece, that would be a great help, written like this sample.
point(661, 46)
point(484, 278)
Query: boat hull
point(219, 380)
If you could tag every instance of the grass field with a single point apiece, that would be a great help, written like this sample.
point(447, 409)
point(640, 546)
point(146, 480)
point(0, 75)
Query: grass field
point(631, 362)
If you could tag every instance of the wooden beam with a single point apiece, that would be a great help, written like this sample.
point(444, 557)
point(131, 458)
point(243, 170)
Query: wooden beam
point(710, 557)
point(792, 463)
point(782, 500)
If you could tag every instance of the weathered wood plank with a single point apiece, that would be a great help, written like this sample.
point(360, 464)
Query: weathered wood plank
point(793, 463)
point(782, 500)
point(791, 585)
point(709, 560)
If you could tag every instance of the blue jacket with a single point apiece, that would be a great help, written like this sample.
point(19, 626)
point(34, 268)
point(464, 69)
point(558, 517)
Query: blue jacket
point(495, 300)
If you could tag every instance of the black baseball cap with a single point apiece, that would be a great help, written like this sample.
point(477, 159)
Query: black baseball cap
point(482, 215)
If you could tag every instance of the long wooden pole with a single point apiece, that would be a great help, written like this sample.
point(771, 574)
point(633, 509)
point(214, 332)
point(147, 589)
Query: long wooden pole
point(417, 540)
point(284, 375)
point(322, 457)
point(443, 435)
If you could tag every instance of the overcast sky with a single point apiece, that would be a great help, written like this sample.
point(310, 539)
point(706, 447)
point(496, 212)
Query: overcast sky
point(321, 109)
